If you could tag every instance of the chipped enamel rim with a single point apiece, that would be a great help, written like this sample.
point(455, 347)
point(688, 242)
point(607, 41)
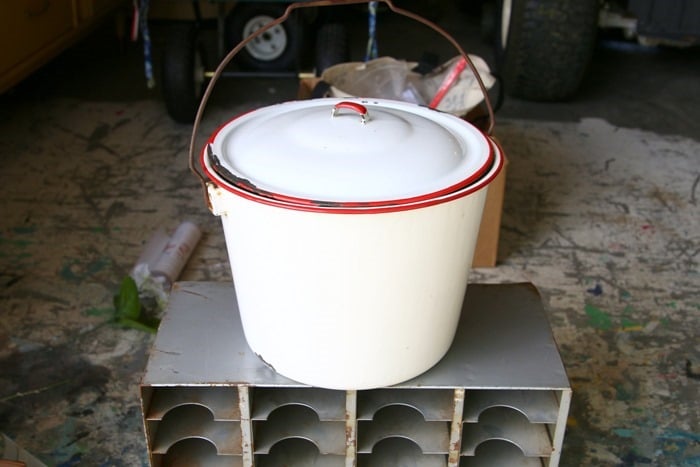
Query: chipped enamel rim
point(336, 208)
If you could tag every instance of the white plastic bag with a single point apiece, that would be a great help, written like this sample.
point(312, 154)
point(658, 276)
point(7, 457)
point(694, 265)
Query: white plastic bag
point(389, 78)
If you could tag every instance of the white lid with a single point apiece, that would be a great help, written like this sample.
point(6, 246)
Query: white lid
point(351, 150)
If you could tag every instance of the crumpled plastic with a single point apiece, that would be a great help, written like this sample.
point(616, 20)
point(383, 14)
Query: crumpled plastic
point(390, 78)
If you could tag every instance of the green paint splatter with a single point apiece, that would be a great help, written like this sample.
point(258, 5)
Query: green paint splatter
point(24, 230)
point(75, 271)
point(628, 324)
point(598, 318)
point(12, 242)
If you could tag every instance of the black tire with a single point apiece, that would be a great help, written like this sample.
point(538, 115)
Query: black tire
point(543, 51)
point(471, 7)
point(488, 17)
point(183, 73)
point(276, 50)
point(331, 46)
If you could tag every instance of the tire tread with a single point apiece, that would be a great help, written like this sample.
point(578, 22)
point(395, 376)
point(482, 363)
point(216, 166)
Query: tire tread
point(549, 48)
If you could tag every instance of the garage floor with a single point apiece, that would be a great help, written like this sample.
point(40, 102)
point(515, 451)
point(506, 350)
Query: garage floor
point(601, 214)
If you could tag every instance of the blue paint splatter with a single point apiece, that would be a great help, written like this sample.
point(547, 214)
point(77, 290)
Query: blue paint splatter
point(676, 443)
point(633, 458)
point(680, 435)
point(73, 461)
point(624, 432)
point(596, 291)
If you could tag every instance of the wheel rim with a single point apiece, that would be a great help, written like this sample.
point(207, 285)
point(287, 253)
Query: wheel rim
point(268, 46)
point(506, 9)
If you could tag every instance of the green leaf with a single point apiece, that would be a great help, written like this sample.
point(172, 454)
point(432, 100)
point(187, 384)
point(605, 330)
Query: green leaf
point(130, 323)
point(128, 310)
point(127, 304)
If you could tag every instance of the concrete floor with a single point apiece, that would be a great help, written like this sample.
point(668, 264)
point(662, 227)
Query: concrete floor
point(601, 214)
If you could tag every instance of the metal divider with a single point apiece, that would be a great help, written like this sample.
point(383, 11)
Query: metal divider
point(246, 425)
point(350, 428)
point(456, 428)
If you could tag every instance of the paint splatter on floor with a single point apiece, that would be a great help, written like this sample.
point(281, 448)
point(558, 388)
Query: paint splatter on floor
point(611, 238)
point(603, 220)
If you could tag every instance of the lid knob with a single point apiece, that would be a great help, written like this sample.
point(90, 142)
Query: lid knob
point(355, 107)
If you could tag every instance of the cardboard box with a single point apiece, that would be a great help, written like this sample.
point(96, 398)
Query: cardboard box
point(486, 253)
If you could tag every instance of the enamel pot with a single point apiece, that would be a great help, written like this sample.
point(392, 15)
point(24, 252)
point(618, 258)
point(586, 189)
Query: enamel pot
point(350, 227)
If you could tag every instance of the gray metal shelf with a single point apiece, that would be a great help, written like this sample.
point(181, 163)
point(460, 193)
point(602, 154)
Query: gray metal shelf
point(499, 397)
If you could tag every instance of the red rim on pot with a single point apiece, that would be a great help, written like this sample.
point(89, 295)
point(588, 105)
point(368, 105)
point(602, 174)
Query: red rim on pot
point(347, 153)
point(485, 180)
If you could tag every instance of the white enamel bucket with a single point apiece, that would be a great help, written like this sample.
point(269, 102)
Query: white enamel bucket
point(351, 300)
point(350, 230)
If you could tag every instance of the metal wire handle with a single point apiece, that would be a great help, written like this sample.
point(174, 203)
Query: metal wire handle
point(319, 3)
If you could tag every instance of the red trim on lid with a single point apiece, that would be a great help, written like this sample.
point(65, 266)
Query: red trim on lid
point(346, 208)
point(287, 199)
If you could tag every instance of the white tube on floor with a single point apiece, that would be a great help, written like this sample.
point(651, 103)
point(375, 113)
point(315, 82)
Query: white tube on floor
point(177, 251)
point(152, 250)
